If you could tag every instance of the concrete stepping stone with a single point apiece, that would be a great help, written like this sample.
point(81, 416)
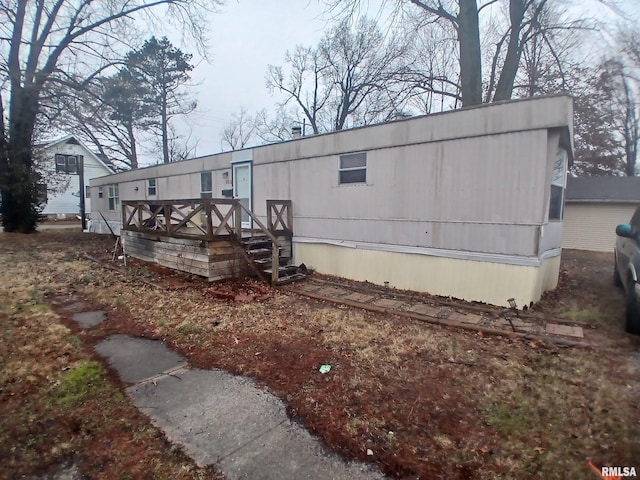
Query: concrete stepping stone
point(565, 330)
point(359, 297)
point(137, 359)
point(332, 291)
point(469, 318)
point(89, 319)
point(388, 303)
point(424, 309)
point(308, 287)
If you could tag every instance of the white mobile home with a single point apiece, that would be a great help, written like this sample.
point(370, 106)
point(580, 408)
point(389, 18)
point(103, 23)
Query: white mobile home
point(467, 203)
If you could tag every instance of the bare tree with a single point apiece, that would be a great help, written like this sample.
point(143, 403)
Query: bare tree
point(239, 131)
point(180, 147)
point(463, 17)
point(353, 74)
point(624, 105)
point(364, 69)
point(279, 127)
point(305, 83)
point(48, 42)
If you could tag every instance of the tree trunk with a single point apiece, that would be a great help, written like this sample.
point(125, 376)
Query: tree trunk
point(165, 129)
point(470, 56)
point(133, 159)
point(18, 180)
point(504, 89)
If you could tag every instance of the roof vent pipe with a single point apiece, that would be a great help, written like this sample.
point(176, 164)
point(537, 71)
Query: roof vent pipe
point(296, 132)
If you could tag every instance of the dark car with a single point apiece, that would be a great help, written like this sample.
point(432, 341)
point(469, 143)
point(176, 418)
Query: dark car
point(626, 270)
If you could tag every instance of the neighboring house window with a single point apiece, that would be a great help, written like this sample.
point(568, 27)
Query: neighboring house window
point(558, 184)
point(66, 164)
point(87, 191)
point(100, 192)
point(151, 186)
point(353, 168)
point(114, 197)
point(206, 186)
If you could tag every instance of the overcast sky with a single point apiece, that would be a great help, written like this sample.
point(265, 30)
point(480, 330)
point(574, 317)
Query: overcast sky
point(247, 35)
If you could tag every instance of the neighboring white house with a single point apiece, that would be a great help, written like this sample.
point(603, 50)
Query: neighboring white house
point(467, 203)
point(594, 207)
point(61, 162)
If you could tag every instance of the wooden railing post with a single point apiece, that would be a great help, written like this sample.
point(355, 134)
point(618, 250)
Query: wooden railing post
point(270, 215)
point(168, 212)
point(139, 215)
point(289, 216)
point(275, 262)
point(207, 213)
point(238, 219)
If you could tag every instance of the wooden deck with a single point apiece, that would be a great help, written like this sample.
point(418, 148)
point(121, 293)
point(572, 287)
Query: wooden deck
point(205, 237)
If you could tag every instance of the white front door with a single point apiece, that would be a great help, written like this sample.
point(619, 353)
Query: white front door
point(242, 189)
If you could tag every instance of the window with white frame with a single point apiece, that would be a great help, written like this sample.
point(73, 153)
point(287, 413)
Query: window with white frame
point(206, 185)
point(66, 164)
point(558, 184)
point(151, 186)
point(114, 197)
point(100, 192)
point(353, 168)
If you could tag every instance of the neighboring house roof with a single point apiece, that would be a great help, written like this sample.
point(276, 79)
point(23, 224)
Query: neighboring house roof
point(106, 164)
point(603, 189)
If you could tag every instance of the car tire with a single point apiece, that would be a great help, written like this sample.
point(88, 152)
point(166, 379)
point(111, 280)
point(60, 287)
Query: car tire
point(617, 281)
point(633, 312)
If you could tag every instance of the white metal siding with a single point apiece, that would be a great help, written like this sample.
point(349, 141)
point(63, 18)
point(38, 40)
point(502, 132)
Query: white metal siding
point(592, 226)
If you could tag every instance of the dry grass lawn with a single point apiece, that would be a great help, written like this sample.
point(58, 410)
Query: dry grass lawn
point(429, 402)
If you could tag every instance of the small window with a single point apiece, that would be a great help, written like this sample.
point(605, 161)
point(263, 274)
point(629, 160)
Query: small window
point(558, 183)
point(206, 186)
point(114, 197)
point(100, 192)
point(87, 191)
point(66, 164)
point(353, 168)
point(151, 186)
point(61, 164)
point(72, 164)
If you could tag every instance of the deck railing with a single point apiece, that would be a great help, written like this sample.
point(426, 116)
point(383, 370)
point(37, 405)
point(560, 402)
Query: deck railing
point(208, 219)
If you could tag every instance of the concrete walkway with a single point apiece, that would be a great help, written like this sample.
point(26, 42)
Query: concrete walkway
point(221, 419)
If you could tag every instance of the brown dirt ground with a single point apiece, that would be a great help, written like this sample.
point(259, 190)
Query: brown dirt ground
point(430, 402)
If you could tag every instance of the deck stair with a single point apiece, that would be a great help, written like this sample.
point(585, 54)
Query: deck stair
point(259, 251)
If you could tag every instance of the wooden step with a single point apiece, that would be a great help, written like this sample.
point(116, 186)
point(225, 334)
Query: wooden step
point(256, 241)
point(290, 278)
point(266, 261)
point(283, 269)
point(259, 251)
